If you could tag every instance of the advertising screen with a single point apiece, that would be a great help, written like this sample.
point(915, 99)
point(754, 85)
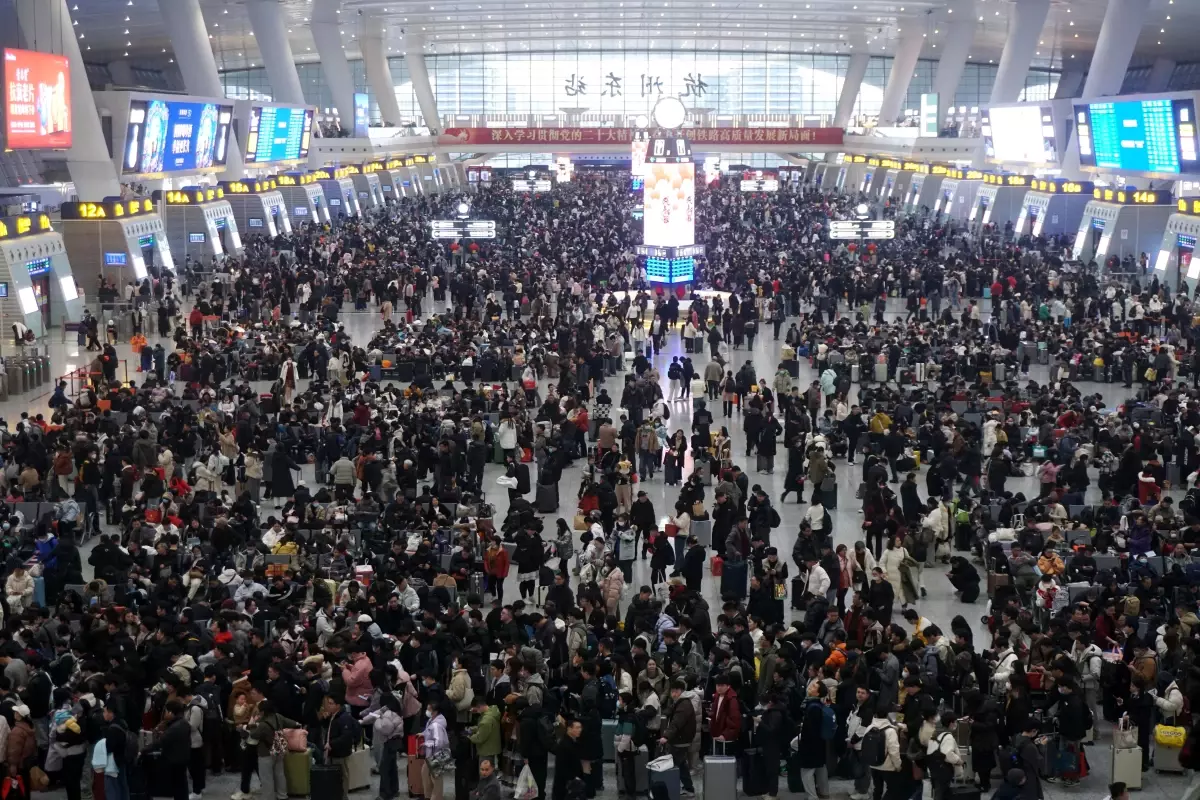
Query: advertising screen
point(169, 136)
point(1020, 135)
point(670, 204)
point(362, 114)
point(278, 134)
point(37, 110)
point(1155, 136)
point(929, 114)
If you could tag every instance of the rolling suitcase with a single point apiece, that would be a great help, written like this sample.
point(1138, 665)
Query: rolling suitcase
point(798, 593)
point(702, 530)
point(633, 774)
point(829, 493)
point(963, 790)
point(720, 777)
point(360, 767)
point(881, 372)
point(999, 371)
point(1127, 766)
point(608, 733)
point(547, 498)
point(296, 768)
point(663, 778)
point(754, 771)
point(1166, 759)
point(326, 780)
point(734, 579)
point(854, 372)
point(414, 778)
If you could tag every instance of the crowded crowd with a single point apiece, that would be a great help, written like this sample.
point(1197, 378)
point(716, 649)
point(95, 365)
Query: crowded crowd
point(311, 556)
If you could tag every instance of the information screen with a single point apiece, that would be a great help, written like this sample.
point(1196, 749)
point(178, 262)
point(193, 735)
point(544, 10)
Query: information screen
point(278, 133)
point(169, 136)
point(37, 107)
point(670, 204)
point(1153, 136)
point(1020, 135)
point(362, 114)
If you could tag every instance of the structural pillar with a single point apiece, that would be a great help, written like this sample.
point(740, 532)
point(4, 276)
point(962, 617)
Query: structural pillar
point(855, 73)
point(1114, 48)
point(955, 47)
point(46, 27)
point(908, 50)
point(327, 35)
point(1118, 36)
point(414, 57)
point(379, 74)
point(184, 22)
point(1160, 74)
point(1025, 25)
point(266, 20)
point(121, 73)
point(1070, 83)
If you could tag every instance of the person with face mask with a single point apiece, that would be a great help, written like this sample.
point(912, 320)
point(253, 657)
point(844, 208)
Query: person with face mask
point(248, 589)
point(437, 753)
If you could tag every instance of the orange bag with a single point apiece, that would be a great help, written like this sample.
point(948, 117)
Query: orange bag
point(104, 405)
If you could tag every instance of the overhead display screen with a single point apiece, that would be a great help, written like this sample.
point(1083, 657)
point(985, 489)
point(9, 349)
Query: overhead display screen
point(670, 204)
point(278, 133)
point(169, 136)
point(37, 107)
point(1020, 135)
point(1151, 136)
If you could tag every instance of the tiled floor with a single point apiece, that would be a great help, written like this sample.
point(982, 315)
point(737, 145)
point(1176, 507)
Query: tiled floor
point(940, 605)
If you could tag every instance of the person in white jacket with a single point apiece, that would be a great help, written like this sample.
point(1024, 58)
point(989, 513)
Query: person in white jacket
point(818, 582)
point(507, 432)
point(885, 773)
point(945, 744)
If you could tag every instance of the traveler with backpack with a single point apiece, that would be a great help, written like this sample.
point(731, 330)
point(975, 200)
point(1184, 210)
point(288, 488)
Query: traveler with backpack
point(943, 763)
point(818, 727)
point(266, 737)
point(681, 729)
point(881, 752)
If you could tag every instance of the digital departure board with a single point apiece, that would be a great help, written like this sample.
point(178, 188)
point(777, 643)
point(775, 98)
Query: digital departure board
point(278, 133)
point(1149, 136)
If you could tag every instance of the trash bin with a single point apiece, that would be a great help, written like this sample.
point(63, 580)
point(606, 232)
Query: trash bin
point(16, 383)
point(30, 371)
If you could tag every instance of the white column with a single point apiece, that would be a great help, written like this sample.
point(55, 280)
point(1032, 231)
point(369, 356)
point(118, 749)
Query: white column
point(266, 20)
point(855, 72)
point(955, 47)
point(184, 22)
point(121, 73)
point(46, 26)
point(1160, 74)
point(327, 35)
point(908, 50)
point(1025, 24)
point(418, 73)
point(1114, 47)
point(379, 74)
point(1070, 83)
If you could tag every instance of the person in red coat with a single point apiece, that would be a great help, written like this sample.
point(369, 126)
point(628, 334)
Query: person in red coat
point(726, 722)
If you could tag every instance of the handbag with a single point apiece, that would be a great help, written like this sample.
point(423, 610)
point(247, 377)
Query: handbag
point(780, 591)
point(297, 740)
point(438, 760)
point(1169, 736)
point(1125, 736)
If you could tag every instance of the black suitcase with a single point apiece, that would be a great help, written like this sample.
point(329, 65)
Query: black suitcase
point(754, 771)
point(325, 780)
point(547, 498)
point(797, 593)
point(734, 579)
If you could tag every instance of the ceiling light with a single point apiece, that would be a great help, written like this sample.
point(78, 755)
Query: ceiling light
point(127, 31)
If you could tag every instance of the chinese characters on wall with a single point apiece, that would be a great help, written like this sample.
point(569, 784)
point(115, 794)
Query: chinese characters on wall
point(650, 86)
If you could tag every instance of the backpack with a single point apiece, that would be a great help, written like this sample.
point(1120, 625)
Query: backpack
point(775, 520)
point(874, 747)
point(607, 699)
point(666, 412)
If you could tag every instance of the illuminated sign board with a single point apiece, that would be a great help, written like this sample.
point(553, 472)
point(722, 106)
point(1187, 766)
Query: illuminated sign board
point(1061, 186)
point(37, 105)
point(171, 136)
point(107, 209)
point(1148, 136)
point(278, 133)
point(249, 187)
point(24, 225)
point(1140, 197)
point(463, 229)
point(190, 196)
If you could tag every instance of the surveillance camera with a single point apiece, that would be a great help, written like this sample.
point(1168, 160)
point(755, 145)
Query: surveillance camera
point(360, 12)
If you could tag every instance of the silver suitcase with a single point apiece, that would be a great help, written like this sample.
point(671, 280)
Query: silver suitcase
point(1127, 767)
point(633, 767)
point(854, 373)
point(881, 373)
point(1166, 759)
point(999, 371)
point(608, 733)
point(720, 777)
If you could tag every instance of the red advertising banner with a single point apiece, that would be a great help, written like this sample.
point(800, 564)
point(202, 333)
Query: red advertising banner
point(697, 136)
point(37, 106)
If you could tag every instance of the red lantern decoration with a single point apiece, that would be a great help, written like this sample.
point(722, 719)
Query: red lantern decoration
point(851, 247)
point(474, 248)
point(454, 247)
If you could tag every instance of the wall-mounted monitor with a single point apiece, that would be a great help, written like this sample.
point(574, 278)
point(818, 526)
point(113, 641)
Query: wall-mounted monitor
point(165, 136)
point(1020, 135)
point(278, 133)
point(1156, 137)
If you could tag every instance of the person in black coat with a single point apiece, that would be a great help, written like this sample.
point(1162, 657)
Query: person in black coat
point(176, 747)
point(532, 742)
point(568, 763)
point(774, 732)
point(794, 481)
point(965, 579)
point(692, 568)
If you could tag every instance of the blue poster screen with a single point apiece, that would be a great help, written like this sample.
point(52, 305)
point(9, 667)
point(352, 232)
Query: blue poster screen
point(169, 136)
point(362, 114)
point(278, 134)
point(1155, 136)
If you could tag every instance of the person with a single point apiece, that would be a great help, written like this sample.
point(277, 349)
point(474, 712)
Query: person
point(814, 738)
point(387, 725)
point(265, 722)
point(175, 743)
point(485, 734)
point(488, 787)
point(944, 762)
point(568, 765)
point(437, 751)
point(725, 726)
point(1029, 759)
point(859, 718)
point(881, 750)
point(339, 742)
point(681, 729)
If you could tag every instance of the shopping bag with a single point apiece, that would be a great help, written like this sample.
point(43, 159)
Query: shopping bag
point(526, 787)
point(1169, 735)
